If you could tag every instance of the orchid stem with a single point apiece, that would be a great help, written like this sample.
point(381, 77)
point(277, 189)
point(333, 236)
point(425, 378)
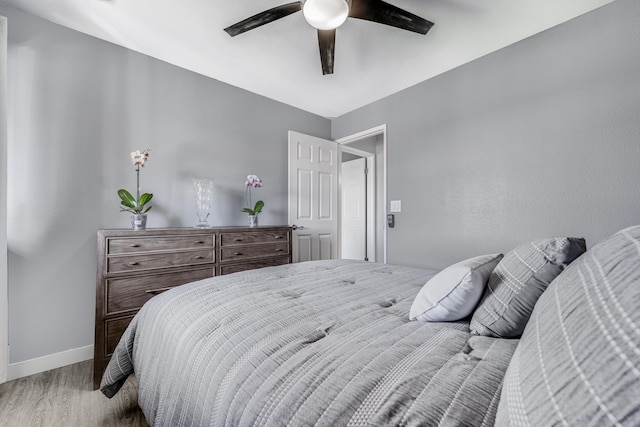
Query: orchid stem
point(138, 184)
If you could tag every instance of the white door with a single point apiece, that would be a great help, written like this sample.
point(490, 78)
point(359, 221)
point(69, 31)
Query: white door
point(354, 209)
point(313, 192)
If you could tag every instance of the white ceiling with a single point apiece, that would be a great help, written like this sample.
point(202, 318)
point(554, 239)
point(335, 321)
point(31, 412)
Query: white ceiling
point(280, 60)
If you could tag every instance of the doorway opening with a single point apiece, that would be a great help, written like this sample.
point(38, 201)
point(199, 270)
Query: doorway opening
point(357, 204)
point(362, 192)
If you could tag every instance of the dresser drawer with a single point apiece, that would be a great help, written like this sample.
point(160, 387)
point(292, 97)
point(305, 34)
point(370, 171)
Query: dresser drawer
point(231, 239)
point(267, 262)
point(130, 293)
point(116, 264)
point(253, 251)
point(114, 328)
point(144, 244)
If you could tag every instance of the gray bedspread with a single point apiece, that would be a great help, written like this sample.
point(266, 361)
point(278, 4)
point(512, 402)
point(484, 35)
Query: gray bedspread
point(325, 343)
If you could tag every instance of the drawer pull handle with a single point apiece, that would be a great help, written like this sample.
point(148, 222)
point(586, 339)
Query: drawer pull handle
point(238, 240)
point(237, 253)
point(157, 291)
point(135, 245)
point(199, 257)
point(134, 263)
point(277, 237)
point(199, 242)
point(279, 250)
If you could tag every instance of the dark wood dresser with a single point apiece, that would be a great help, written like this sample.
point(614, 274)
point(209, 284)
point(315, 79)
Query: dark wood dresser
point(133, 266)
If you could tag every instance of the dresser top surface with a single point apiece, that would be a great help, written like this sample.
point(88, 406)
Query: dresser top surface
point(187, 230)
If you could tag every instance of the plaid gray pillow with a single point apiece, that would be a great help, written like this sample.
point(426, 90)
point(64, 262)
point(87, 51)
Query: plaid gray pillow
point(518, 281)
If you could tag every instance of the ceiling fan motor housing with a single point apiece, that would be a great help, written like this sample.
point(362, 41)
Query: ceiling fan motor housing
point(326, 14)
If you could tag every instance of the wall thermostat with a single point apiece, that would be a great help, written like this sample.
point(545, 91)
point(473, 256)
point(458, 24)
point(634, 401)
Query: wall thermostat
point(391, 220)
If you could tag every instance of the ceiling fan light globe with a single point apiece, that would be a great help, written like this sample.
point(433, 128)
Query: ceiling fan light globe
point(325, 14)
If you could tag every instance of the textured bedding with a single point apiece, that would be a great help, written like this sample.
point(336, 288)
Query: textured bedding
point(325, 343)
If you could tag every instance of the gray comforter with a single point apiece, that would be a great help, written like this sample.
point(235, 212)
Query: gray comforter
point(325, 343)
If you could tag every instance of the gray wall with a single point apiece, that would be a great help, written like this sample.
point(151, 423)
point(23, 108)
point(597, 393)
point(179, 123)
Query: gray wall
point(540, 138)
point(77, 107)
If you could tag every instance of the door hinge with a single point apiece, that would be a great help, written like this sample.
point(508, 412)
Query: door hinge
point(366, 171)
point(366, 259)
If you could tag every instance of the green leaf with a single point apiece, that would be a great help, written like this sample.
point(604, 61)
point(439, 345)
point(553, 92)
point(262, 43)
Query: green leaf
point(247, 210)
point(258, 207)
point(147, 210)
point(126, 207)
point(127, 199)
point(145, 198)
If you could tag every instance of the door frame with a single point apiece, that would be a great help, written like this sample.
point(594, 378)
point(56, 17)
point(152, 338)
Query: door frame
point(342, 142)
point(371, 219)
point(4, 296)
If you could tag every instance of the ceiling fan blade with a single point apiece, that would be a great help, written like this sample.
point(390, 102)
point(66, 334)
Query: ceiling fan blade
point(327, 43)
point(388, 14)
point(262, 18)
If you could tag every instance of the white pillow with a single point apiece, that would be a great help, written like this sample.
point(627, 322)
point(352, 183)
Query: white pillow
point(453, 293)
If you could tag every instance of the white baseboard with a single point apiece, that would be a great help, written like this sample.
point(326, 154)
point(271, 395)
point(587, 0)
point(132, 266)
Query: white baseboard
point(46, 363)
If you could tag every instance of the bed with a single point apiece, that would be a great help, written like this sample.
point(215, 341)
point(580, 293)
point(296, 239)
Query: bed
point(316, 343)
point(330, 343)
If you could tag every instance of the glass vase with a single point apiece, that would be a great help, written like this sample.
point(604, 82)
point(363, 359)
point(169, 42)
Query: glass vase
point(253, 221)
point(203, 191)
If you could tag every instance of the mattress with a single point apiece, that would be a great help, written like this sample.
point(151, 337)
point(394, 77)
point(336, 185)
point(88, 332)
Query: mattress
point(321, 343)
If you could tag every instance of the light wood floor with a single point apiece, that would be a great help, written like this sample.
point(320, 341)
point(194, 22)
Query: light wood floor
point(64, 397)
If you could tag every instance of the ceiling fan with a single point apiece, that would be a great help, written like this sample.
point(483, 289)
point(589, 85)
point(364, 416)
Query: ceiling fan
point(327, 15)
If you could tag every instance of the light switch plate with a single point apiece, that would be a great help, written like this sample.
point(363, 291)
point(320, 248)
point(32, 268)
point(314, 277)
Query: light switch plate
point(396, 205)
